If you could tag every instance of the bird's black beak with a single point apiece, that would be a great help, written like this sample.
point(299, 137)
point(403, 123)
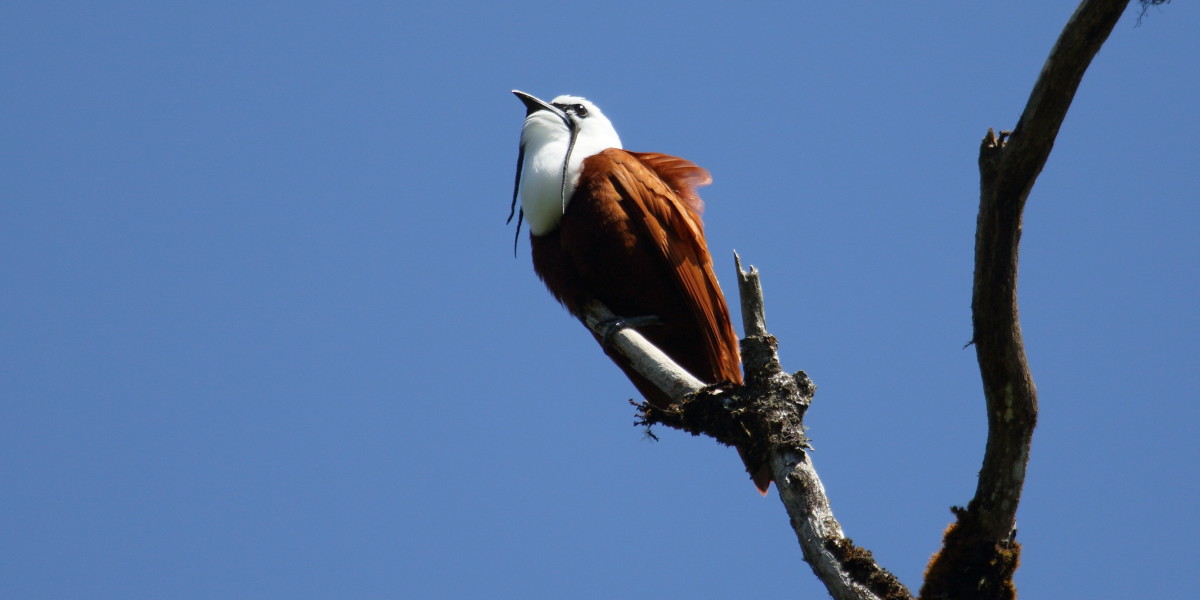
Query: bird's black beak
point(533, 104)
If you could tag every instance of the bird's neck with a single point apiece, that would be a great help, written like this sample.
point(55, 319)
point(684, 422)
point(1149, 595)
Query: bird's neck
point(544, 198)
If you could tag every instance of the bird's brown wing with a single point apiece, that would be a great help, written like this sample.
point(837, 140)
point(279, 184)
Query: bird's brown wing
point(657, 193)
point(632, 238)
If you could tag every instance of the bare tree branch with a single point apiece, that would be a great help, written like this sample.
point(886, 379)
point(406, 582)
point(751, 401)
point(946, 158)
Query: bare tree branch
point(651, 362)
point(764, 417)
point(979, 553)
point(846, 570)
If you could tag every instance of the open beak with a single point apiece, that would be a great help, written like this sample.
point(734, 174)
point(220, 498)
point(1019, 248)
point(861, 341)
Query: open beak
point(533, 104)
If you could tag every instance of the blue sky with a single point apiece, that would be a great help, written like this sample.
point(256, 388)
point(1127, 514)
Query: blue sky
point(262, 334)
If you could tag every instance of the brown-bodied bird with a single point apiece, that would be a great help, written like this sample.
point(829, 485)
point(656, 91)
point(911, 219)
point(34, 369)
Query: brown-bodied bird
point(624, 228)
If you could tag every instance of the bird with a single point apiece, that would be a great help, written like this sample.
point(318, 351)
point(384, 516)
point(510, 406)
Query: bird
point(623, 228)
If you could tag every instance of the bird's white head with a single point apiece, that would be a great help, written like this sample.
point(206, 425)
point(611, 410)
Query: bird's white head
point(557, 136)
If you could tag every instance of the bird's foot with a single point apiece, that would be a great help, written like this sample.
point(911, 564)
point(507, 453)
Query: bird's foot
point(610, 327)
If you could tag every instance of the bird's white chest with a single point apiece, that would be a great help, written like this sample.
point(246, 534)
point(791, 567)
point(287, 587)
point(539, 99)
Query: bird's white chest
point(543, 195)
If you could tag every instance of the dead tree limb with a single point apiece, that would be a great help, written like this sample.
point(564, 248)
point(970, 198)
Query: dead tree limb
point(847, 571)
point(764, 417)
point(979, 553)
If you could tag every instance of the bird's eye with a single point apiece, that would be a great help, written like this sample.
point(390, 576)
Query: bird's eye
point(578, 110)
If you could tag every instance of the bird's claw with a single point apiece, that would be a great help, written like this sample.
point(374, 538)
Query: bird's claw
point(610, 327)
